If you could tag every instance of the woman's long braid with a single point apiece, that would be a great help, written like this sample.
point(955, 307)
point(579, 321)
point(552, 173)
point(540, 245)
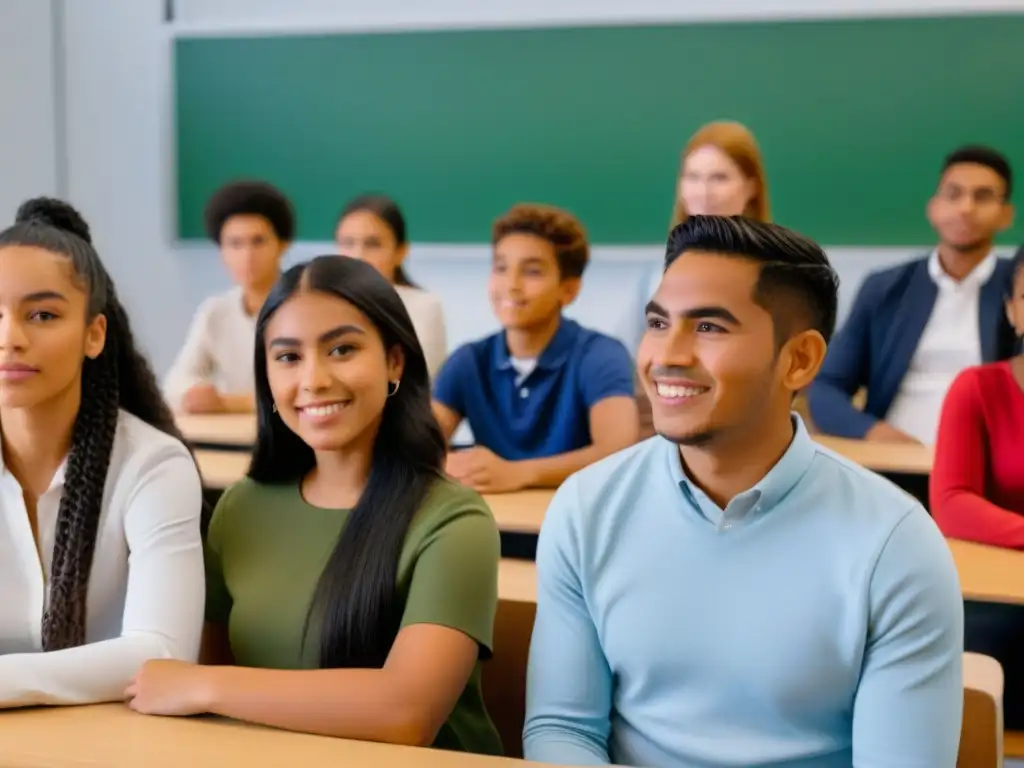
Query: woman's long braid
point(118, 379)
point(78, 515)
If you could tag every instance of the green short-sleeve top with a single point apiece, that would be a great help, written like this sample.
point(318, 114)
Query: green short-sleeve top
point(267, 547)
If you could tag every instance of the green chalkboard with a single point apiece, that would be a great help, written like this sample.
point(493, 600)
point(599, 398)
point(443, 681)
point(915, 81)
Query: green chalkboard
point(854, 118)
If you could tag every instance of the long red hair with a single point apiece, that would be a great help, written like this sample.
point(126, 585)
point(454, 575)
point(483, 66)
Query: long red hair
point(735, 140)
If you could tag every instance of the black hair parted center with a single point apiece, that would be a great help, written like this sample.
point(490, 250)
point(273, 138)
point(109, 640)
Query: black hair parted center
point(387, 210)
point(356, 607)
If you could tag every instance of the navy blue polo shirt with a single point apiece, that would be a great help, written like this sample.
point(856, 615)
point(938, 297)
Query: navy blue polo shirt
point(548, 412)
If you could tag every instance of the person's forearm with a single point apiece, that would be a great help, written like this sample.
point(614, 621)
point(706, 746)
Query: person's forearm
point(244, 402)
point(177, 386)
point(86, 674)
point(969, 516)
point(833, 412)
point(365, 704)
point(551, 471)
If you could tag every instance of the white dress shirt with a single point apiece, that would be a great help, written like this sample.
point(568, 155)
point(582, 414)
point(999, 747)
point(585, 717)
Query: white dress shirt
point(147, 588)
point(427, 315)
point(218, 349)
point(951, 341)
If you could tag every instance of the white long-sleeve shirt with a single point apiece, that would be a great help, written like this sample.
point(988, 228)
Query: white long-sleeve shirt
point(147, 588)
point(218, 349)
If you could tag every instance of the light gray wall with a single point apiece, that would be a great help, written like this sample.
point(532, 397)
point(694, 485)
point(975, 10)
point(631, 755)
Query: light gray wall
point(115, 126)
point(28, 97)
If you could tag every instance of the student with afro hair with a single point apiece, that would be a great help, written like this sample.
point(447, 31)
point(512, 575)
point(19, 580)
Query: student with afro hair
point(253, 224)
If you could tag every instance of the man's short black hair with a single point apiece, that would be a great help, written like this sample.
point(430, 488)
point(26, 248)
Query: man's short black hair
point(252, 198)
point(797, 284)
point(986, 156)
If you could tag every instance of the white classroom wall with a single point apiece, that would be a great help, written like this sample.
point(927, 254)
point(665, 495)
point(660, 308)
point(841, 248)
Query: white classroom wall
point(28, 156)
point(110, 124)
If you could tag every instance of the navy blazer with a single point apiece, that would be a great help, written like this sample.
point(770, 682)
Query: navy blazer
point(874, 347)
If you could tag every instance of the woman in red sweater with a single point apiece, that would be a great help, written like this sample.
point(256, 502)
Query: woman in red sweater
point(977, 490)
point(977, 482)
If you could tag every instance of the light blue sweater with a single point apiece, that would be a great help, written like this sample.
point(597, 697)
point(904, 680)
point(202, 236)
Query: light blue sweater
point(817, 621)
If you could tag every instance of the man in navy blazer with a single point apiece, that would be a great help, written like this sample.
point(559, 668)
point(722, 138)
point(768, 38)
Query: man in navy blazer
point(915, 326)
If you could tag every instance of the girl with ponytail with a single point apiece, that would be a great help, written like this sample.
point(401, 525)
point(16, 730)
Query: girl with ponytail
point(100, 552)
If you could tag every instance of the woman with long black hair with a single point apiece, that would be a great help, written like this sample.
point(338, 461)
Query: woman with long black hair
point(359, 583)
point(101, 561)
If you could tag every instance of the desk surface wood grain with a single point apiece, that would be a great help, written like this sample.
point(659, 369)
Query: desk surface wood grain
point(239, 430)
point(901, 458)
point(112, 736)
point(521, 512)
point(229, 430)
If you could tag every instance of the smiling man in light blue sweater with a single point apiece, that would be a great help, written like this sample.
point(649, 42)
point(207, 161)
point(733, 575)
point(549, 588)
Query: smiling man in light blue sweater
point(730, 593)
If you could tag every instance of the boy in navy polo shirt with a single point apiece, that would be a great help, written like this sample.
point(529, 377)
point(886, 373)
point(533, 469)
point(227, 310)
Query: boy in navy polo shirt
point(545, 396)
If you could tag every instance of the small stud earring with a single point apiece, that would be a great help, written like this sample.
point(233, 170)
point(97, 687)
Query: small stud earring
point(274, 407)
point(393, 387)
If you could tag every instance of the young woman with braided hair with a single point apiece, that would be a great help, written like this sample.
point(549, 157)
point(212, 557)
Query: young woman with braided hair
point(101, 563)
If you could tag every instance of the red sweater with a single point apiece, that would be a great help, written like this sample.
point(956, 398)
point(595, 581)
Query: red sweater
point(977, 483)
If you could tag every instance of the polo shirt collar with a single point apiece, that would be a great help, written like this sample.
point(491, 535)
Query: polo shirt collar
point(554, 355)
point(767, 494)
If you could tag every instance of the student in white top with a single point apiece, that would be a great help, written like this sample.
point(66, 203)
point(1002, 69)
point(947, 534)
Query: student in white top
point(101, 565)
point(253, 224)
point(721, 173)
point(371, 228)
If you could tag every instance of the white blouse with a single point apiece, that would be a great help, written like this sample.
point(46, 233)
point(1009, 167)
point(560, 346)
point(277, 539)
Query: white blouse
point(147, 588)
point(427, 315)
point(218, 349)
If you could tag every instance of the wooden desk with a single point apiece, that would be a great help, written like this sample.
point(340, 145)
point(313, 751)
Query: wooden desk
point(899, 458)
point(221, 469)
point(521, 512)
point(989, 574)
point(228, 430)
point(517, 581)
point(112, 736)
point(239, 431)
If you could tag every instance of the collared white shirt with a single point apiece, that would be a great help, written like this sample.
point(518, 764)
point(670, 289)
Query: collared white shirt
point(218, 349)
point(147, 587)
point(951, 342)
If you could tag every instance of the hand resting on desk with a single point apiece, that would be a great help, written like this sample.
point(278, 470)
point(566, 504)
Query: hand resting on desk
point(883, 432)
point(485, 472)
point(206, 398)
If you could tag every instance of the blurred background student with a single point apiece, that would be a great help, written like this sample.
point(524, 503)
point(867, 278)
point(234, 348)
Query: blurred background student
point(721, 174)
point(252, 224)
point(372, 228)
